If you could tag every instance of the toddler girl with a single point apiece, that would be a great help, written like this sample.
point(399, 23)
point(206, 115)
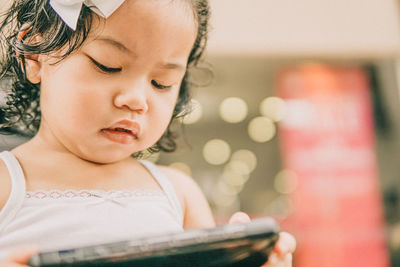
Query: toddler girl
point(110, 76)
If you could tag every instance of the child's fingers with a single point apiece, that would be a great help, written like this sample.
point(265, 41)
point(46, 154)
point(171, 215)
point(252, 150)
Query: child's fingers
point(282, 253)
point(239, 217)
point(286, 244)
point(276, 260)
point(288, 260)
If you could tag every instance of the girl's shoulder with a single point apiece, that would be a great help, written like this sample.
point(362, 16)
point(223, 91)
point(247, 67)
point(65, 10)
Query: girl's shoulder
point(179, 181)
point(5, 184)
point(175, 176)
point(183, 184)
point(194, 203)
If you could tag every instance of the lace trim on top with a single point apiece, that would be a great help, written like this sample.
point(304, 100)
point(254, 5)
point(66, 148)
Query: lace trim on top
point(60, 194)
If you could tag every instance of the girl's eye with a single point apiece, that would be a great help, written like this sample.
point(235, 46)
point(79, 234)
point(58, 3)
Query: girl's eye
point(105, 68)
point(160, 86)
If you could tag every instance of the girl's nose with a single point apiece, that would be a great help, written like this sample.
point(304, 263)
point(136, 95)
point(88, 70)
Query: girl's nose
point(133, 98)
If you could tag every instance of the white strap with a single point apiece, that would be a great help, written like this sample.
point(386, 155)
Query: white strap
point(18, 190)
point(166, 186)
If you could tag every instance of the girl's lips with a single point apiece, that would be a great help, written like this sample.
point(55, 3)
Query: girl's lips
point(121, 137)
point(123, 132)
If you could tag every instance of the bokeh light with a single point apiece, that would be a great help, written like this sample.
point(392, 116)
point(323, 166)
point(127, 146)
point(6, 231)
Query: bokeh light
point(273, 108)
point(238, 167)
point(228, 189)
point(233, 178)
point(216, 151)
point(261, 129)
point(247, 157)
point(233, 109)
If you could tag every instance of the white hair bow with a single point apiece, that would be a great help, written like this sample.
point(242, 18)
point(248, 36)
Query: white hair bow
point(69, 10)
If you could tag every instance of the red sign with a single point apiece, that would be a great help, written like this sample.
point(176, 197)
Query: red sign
point(327, 139)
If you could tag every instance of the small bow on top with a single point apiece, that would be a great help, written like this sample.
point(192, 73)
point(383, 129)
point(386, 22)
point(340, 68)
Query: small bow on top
point(69, 10)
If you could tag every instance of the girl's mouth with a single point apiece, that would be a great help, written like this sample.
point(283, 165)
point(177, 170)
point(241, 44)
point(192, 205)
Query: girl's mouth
point(123, 132)
point(119, 135)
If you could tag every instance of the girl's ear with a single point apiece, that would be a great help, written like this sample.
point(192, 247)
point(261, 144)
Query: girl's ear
point(32, 62)
point(32, 68)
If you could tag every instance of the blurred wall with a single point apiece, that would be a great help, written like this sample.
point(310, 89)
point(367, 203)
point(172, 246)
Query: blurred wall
point(305, 27)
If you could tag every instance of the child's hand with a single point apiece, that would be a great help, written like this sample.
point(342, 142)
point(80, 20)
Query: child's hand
point(281, 256)
point(19, 257)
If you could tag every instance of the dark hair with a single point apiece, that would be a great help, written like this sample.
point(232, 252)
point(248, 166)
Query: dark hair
point(21, 112)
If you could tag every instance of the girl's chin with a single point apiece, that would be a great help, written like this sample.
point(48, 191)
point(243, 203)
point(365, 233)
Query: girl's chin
point(106, 157)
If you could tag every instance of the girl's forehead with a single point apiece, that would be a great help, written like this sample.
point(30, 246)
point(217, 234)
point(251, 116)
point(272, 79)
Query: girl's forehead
point(184, 8)
point(147, 14)
point(150, 18)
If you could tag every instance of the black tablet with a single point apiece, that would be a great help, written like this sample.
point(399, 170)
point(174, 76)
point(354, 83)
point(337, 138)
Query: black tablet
point(247, 244)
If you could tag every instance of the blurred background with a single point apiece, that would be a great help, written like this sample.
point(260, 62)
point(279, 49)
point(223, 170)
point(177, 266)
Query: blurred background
point(300, 120)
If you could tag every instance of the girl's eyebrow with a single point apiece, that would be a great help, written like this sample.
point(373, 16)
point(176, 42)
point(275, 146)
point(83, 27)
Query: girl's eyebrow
point(114, 43)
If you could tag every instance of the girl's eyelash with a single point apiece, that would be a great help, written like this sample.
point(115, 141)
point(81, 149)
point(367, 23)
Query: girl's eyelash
point(105, 68)
point(115, 70)
point(160, 86)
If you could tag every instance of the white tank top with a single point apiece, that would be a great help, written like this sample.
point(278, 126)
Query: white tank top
point(65, 219)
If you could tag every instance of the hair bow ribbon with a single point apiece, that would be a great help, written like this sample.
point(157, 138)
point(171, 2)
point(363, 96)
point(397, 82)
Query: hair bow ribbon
point(69, 10)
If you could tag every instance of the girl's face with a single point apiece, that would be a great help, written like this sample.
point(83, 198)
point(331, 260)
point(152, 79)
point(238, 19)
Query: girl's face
point(116, 94)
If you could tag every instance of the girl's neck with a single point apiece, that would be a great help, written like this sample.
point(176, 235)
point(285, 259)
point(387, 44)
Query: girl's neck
point(47, 169)
point(37, 150)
